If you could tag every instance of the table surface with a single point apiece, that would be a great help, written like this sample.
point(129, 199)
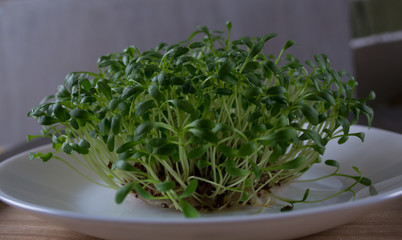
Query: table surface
point(385, 223)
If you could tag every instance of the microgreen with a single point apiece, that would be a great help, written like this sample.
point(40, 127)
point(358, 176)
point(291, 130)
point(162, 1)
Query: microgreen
point(206, 123)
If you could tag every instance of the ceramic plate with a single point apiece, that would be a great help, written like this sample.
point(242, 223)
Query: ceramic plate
point(58, 194)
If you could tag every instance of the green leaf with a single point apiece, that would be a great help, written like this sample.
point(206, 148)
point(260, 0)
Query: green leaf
point(165, 150)
point(180, 50)
point(202, 163)
point(115, 124)
point(251, 67)
point(276, 153)
point(196, 45)
point(125, 166)
point(46, 120)
point(122, 192)
point(247, 149)
point(82, 114)
point(153, 90)
point(79, 149)
point(143, 107)
point(86, 84)
point(276, 90)
point(226, 68)
point(74, 124)
point(129, 91)
point(45, 157)
point(81, 122)
point(190, 189)
point(320, 64)
point(104, 89)
point(66, 148)
point(283, 135)
point(344, 122)
point(188, 210)
point(225, 73)
point(197, 152)
point(39, 110)
point(256, 170)
point(205, 134)
point(227, 151)
point(273, 68)
point(202, 123)
point(60, 112)
point(360, 135)
point(229, 163)
point(113, 104)
point(313, 135)
point(363, 180)
point(254, 116)
point(70, 80)
point(126, 146)
point(253, 92)
point(268, 36)
point(127, 154)
point(295, 163)
point(333, 163)
point(281, 122)
point(165, 186)
point(88, 99)
point(253, 79)
point(163, 79)
point(156, 142)
point(104, 126)
point(142, 192)
point(124, 107)
point(289, 44)
point(84, 143)
point(326, 95)
point(183, 105)
point(310, 113)
point(31, 137)
point(223, 91)
point(343, 139)
point(228, 25)
point(143, 129)
point(110, 143)
point(245, 196)
point(305, 196)
point(62, 92)
point(230, 78)
point(247, 41)
point(187, 87)
point(255, 50)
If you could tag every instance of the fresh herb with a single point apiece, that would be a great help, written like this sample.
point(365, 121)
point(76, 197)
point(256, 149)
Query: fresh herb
point(207, 123)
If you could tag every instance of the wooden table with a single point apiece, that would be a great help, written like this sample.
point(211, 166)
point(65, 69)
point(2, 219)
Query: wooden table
point(386, 223)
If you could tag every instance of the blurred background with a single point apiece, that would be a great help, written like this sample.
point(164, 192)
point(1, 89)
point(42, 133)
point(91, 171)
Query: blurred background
point(43, 40)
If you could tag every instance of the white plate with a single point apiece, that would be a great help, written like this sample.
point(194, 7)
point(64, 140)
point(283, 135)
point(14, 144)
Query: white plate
point(55, 192)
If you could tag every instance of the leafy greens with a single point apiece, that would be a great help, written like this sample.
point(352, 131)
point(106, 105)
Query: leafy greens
point(202, 124)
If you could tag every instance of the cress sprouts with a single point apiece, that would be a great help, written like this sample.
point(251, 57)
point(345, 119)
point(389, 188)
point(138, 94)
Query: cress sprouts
point(202, 124)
